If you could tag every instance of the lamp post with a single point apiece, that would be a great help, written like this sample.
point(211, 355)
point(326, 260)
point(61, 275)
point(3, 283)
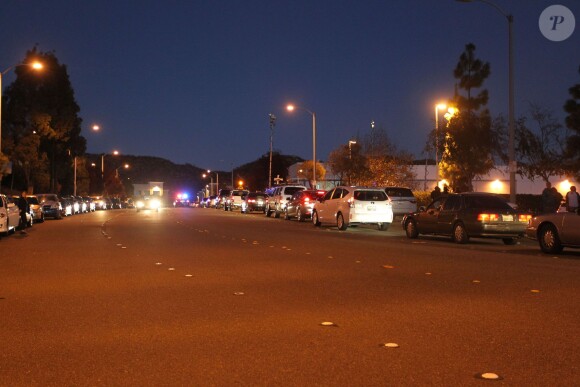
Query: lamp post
point(35, 66)
point(211, 181)
point(272, 124)
point(511, 126)
point(437, 108)
point(291, 108)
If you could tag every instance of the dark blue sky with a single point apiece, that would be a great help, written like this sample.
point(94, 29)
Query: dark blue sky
point(194, 81)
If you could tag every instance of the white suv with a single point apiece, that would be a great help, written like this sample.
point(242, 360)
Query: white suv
point(235, 199)
point(345, 206)
point(279, 196)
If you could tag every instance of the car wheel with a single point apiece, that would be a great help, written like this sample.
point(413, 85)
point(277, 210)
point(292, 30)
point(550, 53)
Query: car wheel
point(277, 212)
point(315, 220)
point(268, 212)
point(549, 240)
point(509, 241)
point(383, 226)
point(411, 229)
point(340, 223)
point(299, 215)
point(460, 234)
point(286, 214)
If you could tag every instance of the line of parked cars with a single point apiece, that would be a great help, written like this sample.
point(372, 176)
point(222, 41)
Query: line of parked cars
point(342, 206)
point(460, 216)
point(45, 206)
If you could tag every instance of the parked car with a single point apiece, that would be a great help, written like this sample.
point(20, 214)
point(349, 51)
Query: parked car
point(466, 215)
point(301, 204)
point(253, 201)
point(234, 201)
point(35, 208)
point(51, 205)
point(402, 200)
point(100, 203)
point(222, 196)
point(116, 203)
point(555, 231)
point(82, 205)
point(91, 205)
point(9, 215)
point(347, 206)
point(29, 216)
point(67, 206)
point(279, 196)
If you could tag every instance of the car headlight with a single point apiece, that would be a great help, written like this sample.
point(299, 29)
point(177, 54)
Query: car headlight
point(140, 204)
point(155, 204)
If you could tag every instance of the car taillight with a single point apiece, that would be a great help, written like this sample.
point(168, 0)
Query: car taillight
point(487, 217)
point(306, 200)
point(524, 217)
point(251, 200)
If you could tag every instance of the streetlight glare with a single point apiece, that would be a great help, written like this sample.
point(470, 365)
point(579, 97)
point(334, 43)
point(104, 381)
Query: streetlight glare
point(37, 66)
point(290, 108)
point(441, 106)
point(116, 153)
point(96, 128)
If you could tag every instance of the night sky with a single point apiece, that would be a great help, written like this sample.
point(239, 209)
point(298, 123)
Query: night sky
point(194, 81)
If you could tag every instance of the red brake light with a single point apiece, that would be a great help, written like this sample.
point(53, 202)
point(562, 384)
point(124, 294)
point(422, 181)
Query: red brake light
point(306, 199)
point(487, 217)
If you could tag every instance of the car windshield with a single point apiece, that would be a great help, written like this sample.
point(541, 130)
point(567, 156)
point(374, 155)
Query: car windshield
point(486, 202)
point(32, 200)
point(370, 195)
point(396, 192)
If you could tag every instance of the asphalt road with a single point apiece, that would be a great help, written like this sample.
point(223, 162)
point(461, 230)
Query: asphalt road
point(200, 297)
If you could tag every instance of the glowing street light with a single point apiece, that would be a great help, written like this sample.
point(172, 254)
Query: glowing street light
point(36, 66)
point(291, 108)
point(96, 128)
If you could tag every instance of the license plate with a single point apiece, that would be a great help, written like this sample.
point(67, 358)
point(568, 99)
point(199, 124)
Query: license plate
point(371, 208)
point(508, 218)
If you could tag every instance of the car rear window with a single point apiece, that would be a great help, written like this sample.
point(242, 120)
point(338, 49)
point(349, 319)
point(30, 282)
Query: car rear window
point(292, 190)
point(32, 200)
point(486, 202)
point(370, 196)
point(396, 192)
point(238, 193)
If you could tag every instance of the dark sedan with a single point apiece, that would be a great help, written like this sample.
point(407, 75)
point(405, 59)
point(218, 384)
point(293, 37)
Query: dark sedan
point(466, 215)
point(301, 204)
point(253, 201)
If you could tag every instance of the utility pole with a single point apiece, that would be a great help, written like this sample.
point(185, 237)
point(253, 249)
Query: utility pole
point(272, 125)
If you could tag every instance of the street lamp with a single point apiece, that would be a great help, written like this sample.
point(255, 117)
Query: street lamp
point(511, 143)
point(291, 108)
point(36, 66)
point(438, 107)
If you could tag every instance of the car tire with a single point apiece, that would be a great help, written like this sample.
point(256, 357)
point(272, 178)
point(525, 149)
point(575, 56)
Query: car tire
point(383, 226)
point(315, 220)
point(460, 233)
point(509, 241)
point(549, 239)
point(277, 212)
point(299, 215)
point(411, 229)
point(268, 212)
point(340, 223)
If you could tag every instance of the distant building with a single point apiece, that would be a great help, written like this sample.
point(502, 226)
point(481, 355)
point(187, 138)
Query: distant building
point(153, 188)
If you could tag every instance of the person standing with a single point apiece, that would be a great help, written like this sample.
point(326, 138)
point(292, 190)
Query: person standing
point(24, 209)
point(572, 200)
point(435, 193)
